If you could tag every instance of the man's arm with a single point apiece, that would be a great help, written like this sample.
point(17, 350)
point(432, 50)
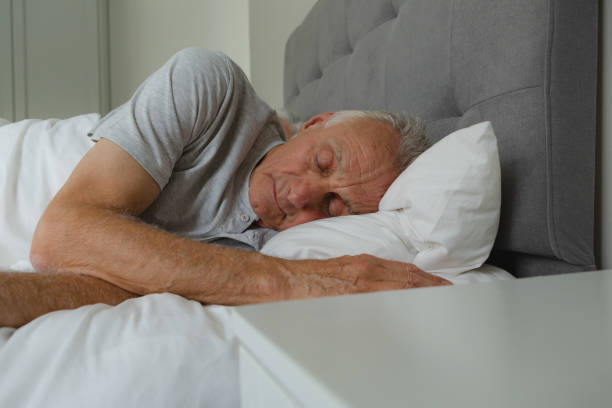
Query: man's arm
point(25, 296)
point(91, 228)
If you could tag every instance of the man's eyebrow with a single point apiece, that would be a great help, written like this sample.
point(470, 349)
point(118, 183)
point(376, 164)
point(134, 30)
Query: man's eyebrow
point(337, 154)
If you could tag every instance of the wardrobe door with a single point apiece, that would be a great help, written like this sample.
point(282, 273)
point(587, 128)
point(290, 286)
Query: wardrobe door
point(59, 57)
point(6, 62)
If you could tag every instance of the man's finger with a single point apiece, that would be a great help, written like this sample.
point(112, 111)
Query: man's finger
point(422, 279)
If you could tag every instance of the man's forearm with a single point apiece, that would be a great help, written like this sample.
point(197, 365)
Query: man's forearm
point(142, 259)
point(25, 296)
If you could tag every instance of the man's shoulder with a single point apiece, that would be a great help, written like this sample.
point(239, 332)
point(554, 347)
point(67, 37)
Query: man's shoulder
point(195, 56)
point(196, 63)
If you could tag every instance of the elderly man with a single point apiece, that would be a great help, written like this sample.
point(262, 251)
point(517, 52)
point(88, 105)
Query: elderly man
point(195, 159)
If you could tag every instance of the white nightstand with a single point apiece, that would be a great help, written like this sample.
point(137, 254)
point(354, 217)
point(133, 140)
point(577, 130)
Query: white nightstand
point(538, 342)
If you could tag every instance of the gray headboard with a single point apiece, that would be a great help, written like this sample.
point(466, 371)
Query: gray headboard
point(528, 66)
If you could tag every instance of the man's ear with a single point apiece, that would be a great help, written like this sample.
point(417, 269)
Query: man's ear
point(319, 119)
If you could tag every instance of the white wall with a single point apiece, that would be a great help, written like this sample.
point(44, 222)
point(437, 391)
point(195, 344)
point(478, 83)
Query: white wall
point(145, 33)
point(606, 139)
point(271, 22)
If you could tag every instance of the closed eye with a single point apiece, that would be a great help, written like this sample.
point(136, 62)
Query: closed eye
point(324, 161)
point(327, 205)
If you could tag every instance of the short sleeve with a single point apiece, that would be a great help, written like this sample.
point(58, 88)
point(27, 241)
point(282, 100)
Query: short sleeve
point(173, 107)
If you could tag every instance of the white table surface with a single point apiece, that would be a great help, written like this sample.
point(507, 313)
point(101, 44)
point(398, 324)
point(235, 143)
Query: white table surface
point(537, 342)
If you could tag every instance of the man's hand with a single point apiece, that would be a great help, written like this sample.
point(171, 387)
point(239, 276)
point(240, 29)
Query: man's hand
point(353, 274)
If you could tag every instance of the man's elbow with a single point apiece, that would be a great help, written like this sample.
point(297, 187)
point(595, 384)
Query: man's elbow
point(44, 253)
point(39, 259)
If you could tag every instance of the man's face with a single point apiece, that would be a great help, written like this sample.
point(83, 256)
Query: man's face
point(324, 172)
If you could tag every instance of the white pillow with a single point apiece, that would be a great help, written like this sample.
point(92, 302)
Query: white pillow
point(441, 213)
point(36, 158)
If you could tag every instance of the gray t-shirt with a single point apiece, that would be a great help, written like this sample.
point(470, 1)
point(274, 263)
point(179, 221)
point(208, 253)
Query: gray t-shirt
point(198, 128)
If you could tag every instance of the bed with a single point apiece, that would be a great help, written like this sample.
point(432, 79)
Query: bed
point(528, 67)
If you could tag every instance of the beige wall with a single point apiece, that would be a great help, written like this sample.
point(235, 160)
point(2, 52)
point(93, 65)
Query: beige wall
point(145, 33)
point(605, 153)
point(271, 23)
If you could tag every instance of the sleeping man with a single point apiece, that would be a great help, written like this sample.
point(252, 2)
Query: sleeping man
point(196, 159)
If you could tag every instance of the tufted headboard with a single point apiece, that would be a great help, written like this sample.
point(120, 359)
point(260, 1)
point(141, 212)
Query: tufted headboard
point(528, 66)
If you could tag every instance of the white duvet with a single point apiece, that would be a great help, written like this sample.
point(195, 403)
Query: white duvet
point(157, 350)
point(36, 158)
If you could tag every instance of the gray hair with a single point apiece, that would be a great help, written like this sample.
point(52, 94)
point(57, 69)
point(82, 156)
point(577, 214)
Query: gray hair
point(413, 140)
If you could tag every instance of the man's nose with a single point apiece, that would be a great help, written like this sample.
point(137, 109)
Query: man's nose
point(303, 194)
